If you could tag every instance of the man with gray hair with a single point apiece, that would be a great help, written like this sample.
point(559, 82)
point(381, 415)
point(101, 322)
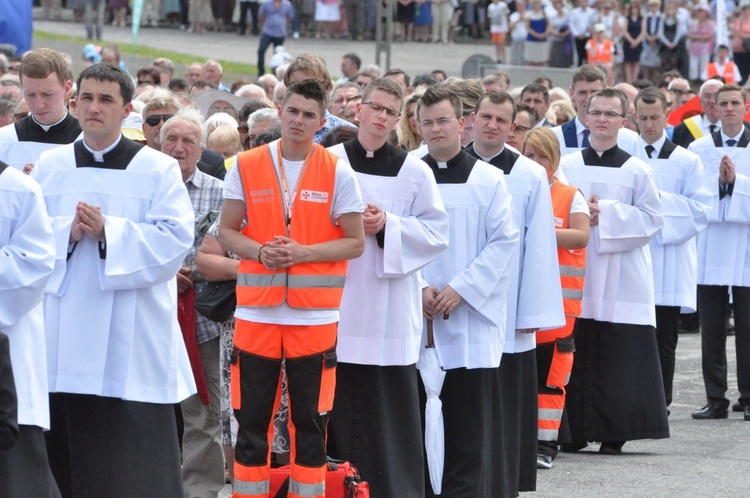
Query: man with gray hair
point(260, 121)
point(157, 112)
point(700, 125)
point(7, 110)
point(183, 137)
point(213, 74)
point(341, 95)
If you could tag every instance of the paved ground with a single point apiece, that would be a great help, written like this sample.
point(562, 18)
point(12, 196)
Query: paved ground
point(700, 459)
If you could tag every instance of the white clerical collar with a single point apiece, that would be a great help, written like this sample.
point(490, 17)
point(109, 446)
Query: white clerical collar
point(47, 127)
point(489, 158)
point(656, 145)
point(736, 138)
point(99, 154)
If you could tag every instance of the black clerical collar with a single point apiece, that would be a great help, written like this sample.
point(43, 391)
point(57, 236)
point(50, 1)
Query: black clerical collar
point(611, 158)
point(504, 160)
point(455, 170)
point(65, 131)
point(386, 161)
point(117, 158)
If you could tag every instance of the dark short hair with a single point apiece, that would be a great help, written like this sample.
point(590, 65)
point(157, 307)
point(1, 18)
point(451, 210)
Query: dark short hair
point(177, 85)
point(651, 95)
point(339, 135)
point(107, 72)
point(150, 71)
point(310, 89)
point(611, 93)
point(497, 97)
point(521, 107)
point(354, 58)
point(427, 79)
point(396, 71)
point(536, 88)
point(438, 93)
point(250, 107)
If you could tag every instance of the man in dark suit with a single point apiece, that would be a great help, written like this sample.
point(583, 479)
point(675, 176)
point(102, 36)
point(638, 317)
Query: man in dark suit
point(536, 96)
point(698, 126)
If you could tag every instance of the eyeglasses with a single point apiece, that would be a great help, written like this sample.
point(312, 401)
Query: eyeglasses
point(678, 91)
point(243, 129)
point(606, 114)
point(441, 122)
point(521, 129)
point(19, 116)
point(155, 119)
point(379, 108)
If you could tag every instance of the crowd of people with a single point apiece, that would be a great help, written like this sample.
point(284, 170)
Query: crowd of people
point(540, 241)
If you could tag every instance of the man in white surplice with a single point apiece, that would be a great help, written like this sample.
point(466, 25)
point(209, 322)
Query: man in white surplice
point(608, 401)
point(27, 257)
point(468, 284)
point(723, 255)
point(117, 362)
point(537, 300)
point(686, 202)
point(376, 420)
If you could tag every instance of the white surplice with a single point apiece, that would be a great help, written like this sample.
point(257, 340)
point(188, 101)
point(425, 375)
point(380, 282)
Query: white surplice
point(724, 247)
point(477, 265)
point(27, 257)
point(381, 310)
point(619, 285)
point(111, 322)
point(538, 302)
point(686, 203)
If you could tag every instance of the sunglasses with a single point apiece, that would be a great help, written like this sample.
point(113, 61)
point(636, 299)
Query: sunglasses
point(155, 119)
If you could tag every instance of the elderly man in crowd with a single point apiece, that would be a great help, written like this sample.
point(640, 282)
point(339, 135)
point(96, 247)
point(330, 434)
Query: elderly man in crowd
point(183, 137)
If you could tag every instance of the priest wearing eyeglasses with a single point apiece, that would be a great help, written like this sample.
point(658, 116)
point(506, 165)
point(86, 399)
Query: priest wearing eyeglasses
point(615, 392)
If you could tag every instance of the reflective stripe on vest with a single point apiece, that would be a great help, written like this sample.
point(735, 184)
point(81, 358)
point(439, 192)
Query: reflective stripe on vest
point(572, 263)
point(251, 488)
point(303, 489)
point(304, 285)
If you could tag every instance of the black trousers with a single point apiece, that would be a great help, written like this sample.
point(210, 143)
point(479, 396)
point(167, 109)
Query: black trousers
point(253, 6)
point(100, 446)
point(667, 323)
point(712, 306)
point(24, 469)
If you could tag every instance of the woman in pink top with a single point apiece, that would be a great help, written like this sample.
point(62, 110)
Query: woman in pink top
point(701, 36)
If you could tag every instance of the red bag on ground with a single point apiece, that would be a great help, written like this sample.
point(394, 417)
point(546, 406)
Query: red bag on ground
point(342, 481)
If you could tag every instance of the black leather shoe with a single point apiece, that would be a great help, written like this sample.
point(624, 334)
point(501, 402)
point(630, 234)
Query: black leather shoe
point(738, 407)
point(573, 447)
point(611, 448)
point(711, 411)
point(747, 413)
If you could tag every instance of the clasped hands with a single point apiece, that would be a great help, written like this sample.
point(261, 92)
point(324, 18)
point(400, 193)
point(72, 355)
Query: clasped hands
point(87, 220)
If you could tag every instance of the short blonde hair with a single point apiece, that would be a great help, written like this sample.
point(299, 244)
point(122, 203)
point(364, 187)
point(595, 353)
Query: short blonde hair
point(224, 135)
point(545, 143)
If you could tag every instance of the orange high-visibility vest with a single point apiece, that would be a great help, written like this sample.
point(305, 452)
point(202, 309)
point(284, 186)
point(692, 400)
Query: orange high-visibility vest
point(728, 75)
point(596, 54)
point(572, 266)
point(317, 285)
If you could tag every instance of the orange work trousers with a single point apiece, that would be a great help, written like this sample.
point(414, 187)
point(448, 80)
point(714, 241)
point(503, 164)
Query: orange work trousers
point(310, 354)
